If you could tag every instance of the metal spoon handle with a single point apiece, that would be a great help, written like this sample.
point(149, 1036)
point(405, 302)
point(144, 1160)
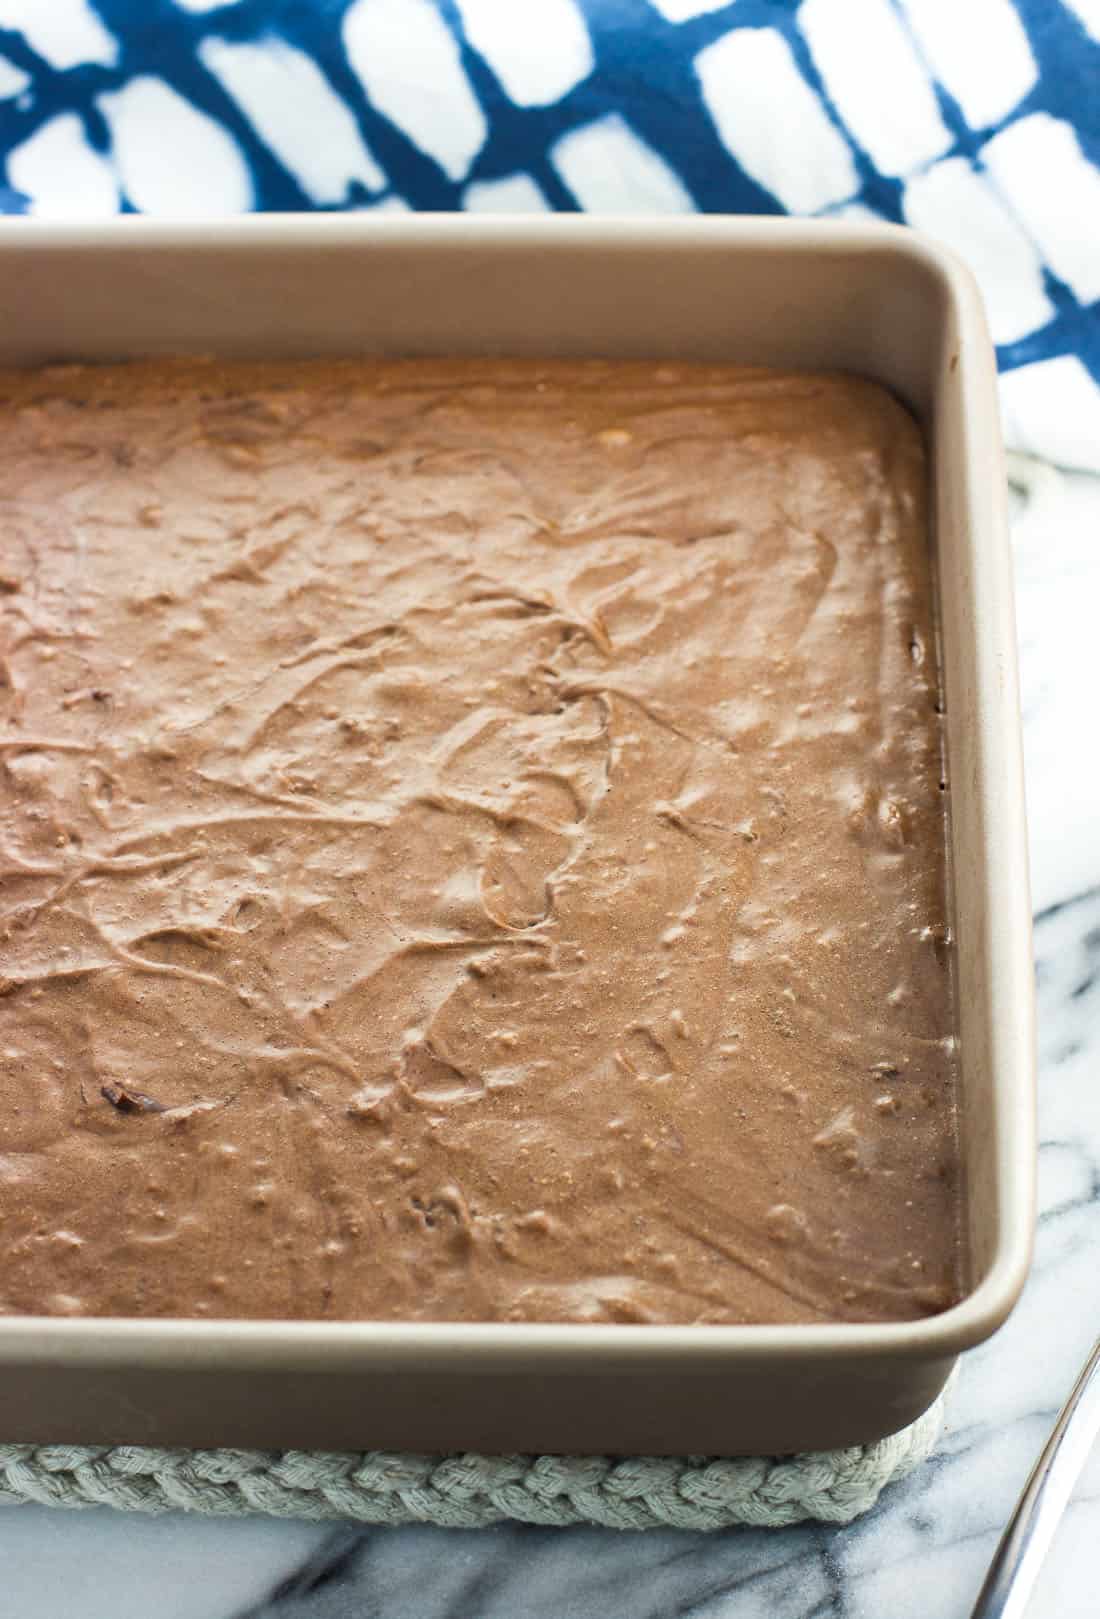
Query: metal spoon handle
point(1046, 1494)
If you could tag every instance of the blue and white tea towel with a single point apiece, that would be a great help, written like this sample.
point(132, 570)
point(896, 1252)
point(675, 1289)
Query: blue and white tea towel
point(975, 120)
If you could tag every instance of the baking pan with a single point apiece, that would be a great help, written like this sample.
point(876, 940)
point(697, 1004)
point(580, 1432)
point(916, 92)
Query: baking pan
point(875, 300)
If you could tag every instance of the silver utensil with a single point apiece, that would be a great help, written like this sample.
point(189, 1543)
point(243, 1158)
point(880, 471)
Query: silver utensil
point(1045, 1497)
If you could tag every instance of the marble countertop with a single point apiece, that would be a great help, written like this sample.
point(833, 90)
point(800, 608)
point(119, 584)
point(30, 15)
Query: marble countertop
point(922, 1552)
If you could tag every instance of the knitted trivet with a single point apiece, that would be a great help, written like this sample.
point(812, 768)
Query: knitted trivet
point(468, 1491)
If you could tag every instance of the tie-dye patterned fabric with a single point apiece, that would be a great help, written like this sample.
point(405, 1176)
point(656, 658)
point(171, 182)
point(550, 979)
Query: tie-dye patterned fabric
point(975, 120)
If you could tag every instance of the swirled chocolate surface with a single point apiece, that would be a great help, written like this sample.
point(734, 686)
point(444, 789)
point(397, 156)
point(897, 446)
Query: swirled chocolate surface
point(471, 839)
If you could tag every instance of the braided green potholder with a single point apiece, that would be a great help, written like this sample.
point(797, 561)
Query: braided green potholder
point(469, 1491)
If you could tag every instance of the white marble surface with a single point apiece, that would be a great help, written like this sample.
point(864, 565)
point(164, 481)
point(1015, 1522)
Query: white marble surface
point(921, 1554)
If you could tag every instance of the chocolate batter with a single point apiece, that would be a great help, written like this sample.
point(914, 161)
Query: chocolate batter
point(471, 839)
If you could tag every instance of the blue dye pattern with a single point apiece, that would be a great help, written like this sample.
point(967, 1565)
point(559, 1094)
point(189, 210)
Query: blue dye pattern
point(644, 73)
